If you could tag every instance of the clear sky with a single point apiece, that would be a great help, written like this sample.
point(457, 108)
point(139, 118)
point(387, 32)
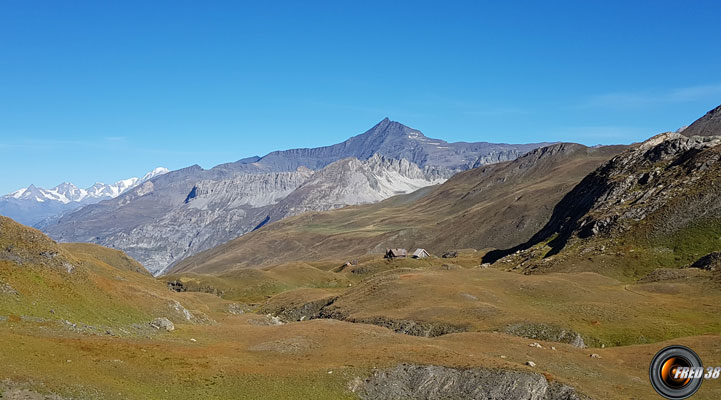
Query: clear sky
point(103, 90)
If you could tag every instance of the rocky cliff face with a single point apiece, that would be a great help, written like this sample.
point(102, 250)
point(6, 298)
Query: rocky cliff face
point(212, 213)
point(352, 181)
point(637, 184)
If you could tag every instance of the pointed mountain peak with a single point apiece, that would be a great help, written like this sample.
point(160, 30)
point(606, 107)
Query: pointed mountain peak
point(381, 125)
point(708, 125)
point(32, 191)
point(390, 128)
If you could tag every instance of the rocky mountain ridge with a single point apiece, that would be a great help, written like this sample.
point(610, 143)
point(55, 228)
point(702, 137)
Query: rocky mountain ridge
point(708, 125)
point(207, 207)
point(392, 140)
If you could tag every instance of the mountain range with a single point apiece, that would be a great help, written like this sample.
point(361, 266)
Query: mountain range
point(178, 214)
point(393, 140)
point(546, 272)
point(622, 211)
point(32, 205)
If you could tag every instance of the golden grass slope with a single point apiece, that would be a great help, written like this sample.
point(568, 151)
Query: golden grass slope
point(248, 355)
point(111, 257)
point(78, 286)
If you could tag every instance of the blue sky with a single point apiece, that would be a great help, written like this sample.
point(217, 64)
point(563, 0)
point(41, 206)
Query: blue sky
point(99, 91)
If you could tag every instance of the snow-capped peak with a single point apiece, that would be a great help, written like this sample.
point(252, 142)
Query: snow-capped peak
point(152, 174)
point(67, 192)
point(17, 194)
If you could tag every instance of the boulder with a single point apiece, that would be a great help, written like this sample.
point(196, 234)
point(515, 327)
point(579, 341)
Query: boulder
point(7, 289)
point(709, 262)
point(163, 323)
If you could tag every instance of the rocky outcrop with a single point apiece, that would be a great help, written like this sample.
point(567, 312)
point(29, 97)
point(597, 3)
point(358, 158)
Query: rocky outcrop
point(709, 262)
point(325, 308)
point(7, 289)
point(496, 156)
point(12, 390)
point(400, 325)
point(632, 186)
point(425, 382)
point(25, 246)
point(163, 324)
point(546, 332)
point(290, 311)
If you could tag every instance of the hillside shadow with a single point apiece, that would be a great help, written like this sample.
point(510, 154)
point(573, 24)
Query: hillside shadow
point(564, 219)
